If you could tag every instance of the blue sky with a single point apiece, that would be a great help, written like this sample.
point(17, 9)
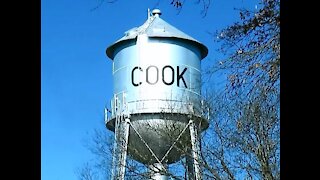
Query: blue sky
point(76, 77)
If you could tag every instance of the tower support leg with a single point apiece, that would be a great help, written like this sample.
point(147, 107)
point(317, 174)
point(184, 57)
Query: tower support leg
point(120, 148)
point(193, 162)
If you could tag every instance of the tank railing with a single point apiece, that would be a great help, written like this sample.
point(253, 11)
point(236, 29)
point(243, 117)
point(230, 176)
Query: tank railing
point(120, 106)
point(175, 106)
point(163, 105)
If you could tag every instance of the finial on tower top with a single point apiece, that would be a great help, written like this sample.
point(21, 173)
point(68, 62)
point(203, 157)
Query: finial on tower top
point(156, 12)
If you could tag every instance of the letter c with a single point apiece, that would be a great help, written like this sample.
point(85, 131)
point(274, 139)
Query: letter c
point(132, 76)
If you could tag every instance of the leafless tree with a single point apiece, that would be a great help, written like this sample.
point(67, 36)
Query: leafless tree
point(243, 139)
point(86, 172)
point(177, 4)
point(245, 136)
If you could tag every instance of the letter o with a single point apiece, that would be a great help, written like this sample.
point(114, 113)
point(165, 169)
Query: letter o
point(147, 75)
point(172, 77)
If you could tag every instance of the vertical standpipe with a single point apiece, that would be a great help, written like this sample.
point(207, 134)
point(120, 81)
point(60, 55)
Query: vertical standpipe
point(157, 89)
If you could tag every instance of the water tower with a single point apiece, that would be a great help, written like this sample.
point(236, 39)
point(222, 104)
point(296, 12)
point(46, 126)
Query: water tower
point(156, 111)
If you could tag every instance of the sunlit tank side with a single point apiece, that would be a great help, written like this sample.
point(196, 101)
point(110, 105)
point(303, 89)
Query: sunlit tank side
point(157, 81)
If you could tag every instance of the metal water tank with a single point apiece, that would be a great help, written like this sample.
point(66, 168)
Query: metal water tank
point(157, 82)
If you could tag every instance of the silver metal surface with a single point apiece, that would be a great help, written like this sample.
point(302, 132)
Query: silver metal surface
point(156, 27)
point(159, 75)
point(157, 86)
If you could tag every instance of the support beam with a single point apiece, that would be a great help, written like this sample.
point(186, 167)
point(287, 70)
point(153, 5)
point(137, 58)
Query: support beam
point(189, 165)
point(120, 148)
point(194, 164)
point(158, 172)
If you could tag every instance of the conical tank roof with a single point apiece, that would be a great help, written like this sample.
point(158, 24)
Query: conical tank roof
point(156, 27)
